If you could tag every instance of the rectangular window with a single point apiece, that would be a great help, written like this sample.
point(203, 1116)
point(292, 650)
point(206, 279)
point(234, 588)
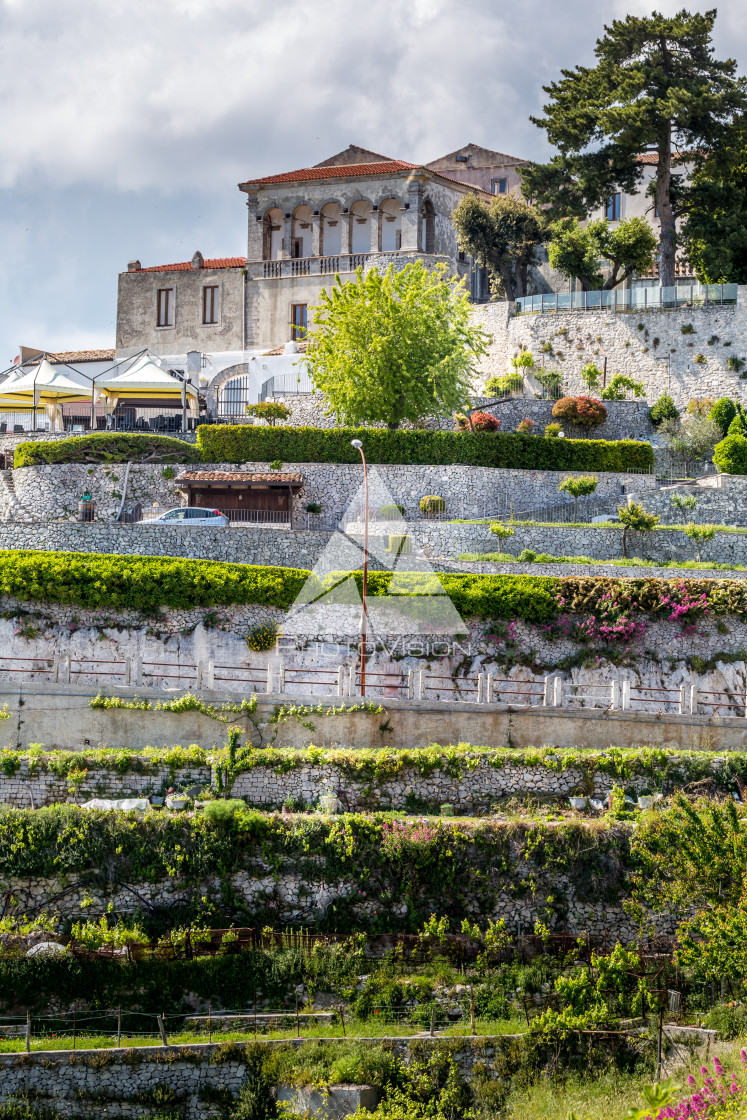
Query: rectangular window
point(165, 307)
point(614, 207)
point(498, 186)
point(298, 321)
point(210, 304)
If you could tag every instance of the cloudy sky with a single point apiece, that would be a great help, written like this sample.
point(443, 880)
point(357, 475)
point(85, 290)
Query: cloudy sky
point(125, 125)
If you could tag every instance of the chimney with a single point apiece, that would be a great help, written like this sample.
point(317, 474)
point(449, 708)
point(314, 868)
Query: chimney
point(134, 266)
point(198, 261)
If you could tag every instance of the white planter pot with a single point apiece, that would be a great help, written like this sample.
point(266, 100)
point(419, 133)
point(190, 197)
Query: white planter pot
point(645, 801)
point(177, 803)
point(577, 802)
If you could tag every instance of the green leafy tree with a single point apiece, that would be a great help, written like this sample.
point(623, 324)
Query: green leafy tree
point(715, 227)
point(504, 234)
point(591, 375)
point(699, 534)
point(723, 412)
point(690, 438)
point(502, 532)
point(663, 409)
point(271, 411)
point(575, 250)
point(579, 486)
point(395, 346)
point(738, 426)
point(656, 87)
point(635, 517)
point(684, 501)
point(620, 385)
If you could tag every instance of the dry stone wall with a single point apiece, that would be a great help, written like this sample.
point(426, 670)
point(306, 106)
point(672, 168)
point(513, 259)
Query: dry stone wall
point(51, 493)
point(476, 789)
point(658, 347)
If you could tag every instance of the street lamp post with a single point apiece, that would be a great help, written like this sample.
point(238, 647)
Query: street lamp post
point(356, 443)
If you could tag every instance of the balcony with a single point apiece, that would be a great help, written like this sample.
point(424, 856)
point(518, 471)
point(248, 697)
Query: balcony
point(328, 266)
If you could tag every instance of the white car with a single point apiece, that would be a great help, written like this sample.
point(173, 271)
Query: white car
point(189, 515)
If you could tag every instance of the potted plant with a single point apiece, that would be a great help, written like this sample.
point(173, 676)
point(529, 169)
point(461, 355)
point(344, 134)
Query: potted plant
point(645, 799)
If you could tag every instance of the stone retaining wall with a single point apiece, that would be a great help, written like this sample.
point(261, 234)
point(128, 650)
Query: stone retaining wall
point(111, 1083)
point(646, 345)
point(625, 419)
point(721, 500)
point(475, 790)
point(47, 493)
point(440, 539)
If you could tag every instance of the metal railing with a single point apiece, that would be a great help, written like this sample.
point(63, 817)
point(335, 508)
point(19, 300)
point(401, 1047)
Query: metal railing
point(286, 384)
point(279, 678)
point(631, 299)
point(146, 515)
point(587, 509)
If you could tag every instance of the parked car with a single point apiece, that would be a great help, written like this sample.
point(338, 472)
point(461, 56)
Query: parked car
point(188, 515)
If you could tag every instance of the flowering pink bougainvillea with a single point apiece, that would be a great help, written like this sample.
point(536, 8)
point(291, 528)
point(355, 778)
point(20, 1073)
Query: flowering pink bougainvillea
point(704, 1100)
point(399, 836)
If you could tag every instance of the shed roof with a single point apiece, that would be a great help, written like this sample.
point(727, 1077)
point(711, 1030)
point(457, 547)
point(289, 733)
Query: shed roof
point(245, 478)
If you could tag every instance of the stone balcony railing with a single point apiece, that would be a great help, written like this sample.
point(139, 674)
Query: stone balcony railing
point(329, 265)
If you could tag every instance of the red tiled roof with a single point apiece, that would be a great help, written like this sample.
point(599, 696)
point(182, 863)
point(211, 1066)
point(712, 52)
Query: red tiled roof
point(334, 171)
point(75, 356)
point(209, 262)
point(247, 477)
point(653, 157)
point(301, 344)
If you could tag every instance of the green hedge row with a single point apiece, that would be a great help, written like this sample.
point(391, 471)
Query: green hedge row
point(244, 444)
point(147, 583)
point(106, 447)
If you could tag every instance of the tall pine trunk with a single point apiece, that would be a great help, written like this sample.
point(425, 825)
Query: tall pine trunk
point(668, 232)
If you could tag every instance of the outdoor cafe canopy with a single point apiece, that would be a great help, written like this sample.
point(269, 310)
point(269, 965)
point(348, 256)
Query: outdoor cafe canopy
point(42, 386)
point(142, 382)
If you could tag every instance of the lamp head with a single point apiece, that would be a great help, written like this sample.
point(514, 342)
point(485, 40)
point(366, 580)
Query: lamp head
point(356, 443)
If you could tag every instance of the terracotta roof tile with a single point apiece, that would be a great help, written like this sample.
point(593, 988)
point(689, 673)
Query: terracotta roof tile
point(333, 171)
point(76, 356)
point(302, 347)
point(284, 477)
point(186, 266)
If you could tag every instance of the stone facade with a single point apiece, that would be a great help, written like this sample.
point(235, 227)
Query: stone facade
point(137, 307)
point(721, 500)
point(649, 346)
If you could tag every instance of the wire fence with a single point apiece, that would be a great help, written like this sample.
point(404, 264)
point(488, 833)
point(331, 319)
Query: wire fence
point(682, 294)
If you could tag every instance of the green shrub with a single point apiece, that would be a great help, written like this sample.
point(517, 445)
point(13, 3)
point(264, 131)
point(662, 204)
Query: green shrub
point(270, 411)
point(228, 443)
point(580, 410)
point(106, 447)
point(663, 409)
point(432, 503)
point(620, 385)
point(391, 509)
point(723, 412)
point(738, 426)
point(263, 637)
point(501, 386)
point(730, 455)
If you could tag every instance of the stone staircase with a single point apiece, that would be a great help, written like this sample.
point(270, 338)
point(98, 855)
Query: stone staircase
point(10, 507)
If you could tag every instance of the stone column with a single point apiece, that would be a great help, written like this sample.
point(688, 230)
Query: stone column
point(287, 249)
point(316, 234)
point(375, 230)
point(345, 235)
point(412, 219)
point(254, 230)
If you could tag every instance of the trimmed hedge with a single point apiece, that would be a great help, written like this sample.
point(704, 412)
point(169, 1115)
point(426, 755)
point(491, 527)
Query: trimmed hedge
point(226, 443)
point(106, 447)
point(147, 583)
point(730, 455)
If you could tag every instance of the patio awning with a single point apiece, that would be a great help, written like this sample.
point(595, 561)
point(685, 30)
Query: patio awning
point(43, 384)
point(142, 381)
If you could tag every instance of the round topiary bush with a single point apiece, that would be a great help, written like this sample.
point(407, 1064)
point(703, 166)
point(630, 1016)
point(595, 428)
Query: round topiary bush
point(663, 409)
point(585, 411)
point(391, 509)
point(481, 422)
point(431, 503)
point(723, 412)
point(262, 638)
point(730, 456)
point(738, 426)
